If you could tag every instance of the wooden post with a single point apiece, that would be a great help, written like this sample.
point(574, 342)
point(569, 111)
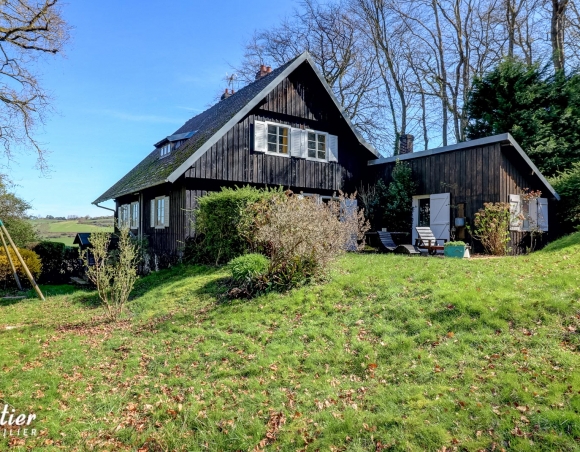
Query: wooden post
point(24, 266)
point(11, 262)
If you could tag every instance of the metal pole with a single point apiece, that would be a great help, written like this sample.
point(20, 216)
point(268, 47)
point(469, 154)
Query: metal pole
point(30, 278)
point(11, 262)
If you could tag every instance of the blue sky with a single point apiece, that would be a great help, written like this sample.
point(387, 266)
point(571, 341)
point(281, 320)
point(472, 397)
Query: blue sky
point(133, 73)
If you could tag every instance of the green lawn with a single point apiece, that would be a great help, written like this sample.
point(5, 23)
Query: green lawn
point(393, 353)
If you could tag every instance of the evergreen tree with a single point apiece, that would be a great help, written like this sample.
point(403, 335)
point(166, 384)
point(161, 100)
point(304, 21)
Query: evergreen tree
point(541, 111)
point(398, 211)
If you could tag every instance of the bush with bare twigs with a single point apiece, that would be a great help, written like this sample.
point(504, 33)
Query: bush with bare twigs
point(114, 272)
point(301, 235)
point(492, 225)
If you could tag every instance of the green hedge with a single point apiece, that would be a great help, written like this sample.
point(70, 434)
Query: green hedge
point(217, 218)
point(59, 262)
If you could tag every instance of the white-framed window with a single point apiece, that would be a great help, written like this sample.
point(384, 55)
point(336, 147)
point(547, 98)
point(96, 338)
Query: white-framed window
point(278, 139)
point(123, 216)
point(160, 212)
point(285, 141)
point(134, 215)
point(165, 150)
point(317, 142)
point(528, 214)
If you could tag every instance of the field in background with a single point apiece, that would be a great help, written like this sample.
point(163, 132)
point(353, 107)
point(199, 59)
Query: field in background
point(65, 230)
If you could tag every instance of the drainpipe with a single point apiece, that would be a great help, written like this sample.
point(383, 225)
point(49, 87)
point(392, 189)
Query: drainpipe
point(106, 208)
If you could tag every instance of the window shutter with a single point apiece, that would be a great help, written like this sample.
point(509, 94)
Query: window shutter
point(533, 214)
point(166, 219)
point(332, 148)
point(296, 142)
point(152, 213)
point(515, 213)
point(543, 214)
point(304, 143)
point(260, 136)
point(138, 222)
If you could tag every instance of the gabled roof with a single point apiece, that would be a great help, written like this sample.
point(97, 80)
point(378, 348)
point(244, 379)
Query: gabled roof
point(209, 127)
point(502, 138)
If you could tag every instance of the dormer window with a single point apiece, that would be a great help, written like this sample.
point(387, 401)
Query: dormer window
point(165, 150)
point(173, 142)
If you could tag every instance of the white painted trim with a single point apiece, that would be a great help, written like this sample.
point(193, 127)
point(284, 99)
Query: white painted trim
point(277, 124)
point(326, 151)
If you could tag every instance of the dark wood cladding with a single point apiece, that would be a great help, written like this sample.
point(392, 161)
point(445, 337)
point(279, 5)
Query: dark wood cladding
point(299, 101)
point(294, 103)
point(165, 241)
point(475, 176)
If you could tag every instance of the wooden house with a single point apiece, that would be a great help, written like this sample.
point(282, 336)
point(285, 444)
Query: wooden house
point(288, 129)
point(285, 129)
point(454, 182)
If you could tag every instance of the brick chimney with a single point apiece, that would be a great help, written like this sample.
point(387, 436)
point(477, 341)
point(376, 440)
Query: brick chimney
point(406, 144)
point(227, 94)
point(264, 70)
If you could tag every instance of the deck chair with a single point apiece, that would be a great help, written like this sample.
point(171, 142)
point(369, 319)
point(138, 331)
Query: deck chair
point(427, 241)
point(387, 242)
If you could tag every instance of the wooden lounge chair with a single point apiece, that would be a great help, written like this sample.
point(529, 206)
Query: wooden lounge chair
point(390, 246)
point(387, 242)
point(427, 241)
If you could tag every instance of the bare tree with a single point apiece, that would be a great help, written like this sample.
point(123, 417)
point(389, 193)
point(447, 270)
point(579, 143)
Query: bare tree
point(407, 66)
point(28, 30)
point(334, 40)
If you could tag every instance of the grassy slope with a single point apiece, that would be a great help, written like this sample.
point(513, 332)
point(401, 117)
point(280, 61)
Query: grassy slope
point(65, 230)
point(407, 353)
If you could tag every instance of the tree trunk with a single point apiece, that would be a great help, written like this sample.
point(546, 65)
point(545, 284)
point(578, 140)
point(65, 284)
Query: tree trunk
point(557, 33)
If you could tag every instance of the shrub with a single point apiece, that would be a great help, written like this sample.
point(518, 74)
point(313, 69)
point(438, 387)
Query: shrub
point(113, 273)
point(456, 243)
point(249, 274)
point(31, 259)
point(398, 212)
point(390, 206)
point(216, 221)
point(21, 231)
point(567, 184)
point(301, 236)
point(492, 227)
point(59, 262)
point(247, 267)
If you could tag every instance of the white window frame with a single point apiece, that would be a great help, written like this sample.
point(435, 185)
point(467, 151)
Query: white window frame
point(160, 212)
point(287, 127)
point(165, 150)
point(160, 206)
point(314, 196)
point(123, 218)
point(134, 210)
point(532, 221)
point(326, 145)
